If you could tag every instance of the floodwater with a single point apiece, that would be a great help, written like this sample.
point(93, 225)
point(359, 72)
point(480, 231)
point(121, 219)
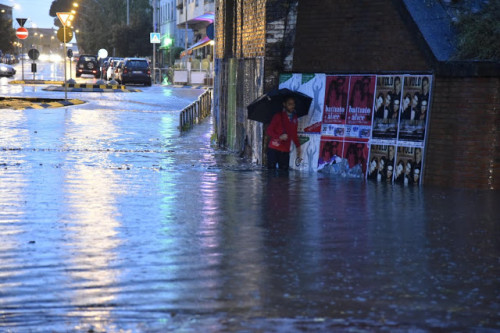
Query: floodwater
point(113, 221)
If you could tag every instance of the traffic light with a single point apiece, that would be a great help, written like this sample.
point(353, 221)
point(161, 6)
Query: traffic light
point(167, 41)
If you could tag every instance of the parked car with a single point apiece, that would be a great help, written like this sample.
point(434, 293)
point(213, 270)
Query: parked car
point(7, 70)
point(134, 70)
point(112, 63)
point(88, 64)
point(8, 59)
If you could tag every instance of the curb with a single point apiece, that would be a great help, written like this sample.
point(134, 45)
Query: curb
point(20, 103)
point(190, 87)
point(91, 88)
point(35, 82)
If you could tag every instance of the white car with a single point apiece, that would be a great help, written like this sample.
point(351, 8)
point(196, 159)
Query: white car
point(110, 73)
point(7, 70)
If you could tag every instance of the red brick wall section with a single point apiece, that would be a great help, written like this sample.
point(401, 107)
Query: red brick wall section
point(464, 135)
point(354, 36)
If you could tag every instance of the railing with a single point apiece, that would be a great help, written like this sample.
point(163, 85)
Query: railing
point(196, 111)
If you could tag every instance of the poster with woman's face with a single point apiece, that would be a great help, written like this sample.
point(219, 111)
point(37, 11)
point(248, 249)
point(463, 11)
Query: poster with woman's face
point(414, 108)
point(387, 107)
point(359, 110)
point(334, 114)
point(355, 155)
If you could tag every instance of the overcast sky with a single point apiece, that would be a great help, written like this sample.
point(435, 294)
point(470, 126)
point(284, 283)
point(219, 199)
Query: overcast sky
point(36, 11)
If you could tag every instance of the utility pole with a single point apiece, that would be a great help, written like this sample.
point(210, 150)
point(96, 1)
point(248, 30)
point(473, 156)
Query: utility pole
point(128, 12)
point(186, 26)
point(154, 44)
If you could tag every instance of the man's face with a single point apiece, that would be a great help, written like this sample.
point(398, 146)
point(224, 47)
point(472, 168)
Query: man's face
point(414, 101)
point(425, 87)
point(423, 106)
point(397, 86)
point(289, 105)
point(389, 171)
point(396, 105)
point(388, 100)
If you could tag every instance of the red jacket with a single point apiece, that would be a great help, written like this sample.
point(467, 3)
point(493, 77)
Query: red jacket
point(281, 124)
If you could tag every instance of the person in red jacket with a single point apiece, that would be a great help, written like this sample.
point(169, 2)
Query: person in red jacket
point(282, 131)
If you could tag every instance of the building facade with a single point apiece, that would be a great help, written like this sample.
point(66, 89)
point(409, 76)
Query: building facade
point(259, 40)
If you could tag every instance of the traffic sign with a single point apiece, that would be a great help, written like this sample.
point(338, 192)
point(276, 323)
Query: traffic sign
point(21, 21)
point(154, 38)
point(33, 54)
point(69, 34)
point(22, 33)
point(64, 17)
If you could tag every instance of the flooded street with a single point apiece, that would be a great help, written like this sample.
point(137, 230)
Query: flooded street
point(111, 220)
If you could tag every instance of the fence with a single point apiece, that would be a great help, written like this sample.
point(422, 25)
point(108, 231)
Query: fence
point(196, 111)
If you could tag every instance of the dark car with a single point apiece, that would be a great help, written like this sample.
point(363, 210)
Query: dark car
point(88, 64)
point(134, 70)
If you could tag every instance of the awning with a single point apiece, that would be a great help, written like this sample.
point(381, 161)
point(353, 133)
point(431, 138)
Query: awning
point(201, 43)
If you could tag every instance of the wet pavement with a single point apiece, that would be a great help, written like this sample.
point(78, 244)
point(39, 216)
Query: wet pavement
point(111, 220)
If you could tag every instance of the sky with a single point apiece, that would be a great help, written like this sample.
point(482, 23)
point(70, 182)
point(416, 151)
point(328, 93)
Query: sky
point(36, 11)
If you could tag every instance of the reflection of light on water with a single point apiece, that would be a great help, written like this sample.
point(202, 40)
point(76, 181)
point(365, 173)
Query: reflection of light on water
point(91, 203)
point(12, 129)
point(91, 129)
point(91, 197)
point(12, 214)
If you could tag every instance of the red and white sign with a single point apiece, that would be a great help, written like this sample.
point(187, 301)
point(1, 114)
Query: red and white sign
point(22, 33)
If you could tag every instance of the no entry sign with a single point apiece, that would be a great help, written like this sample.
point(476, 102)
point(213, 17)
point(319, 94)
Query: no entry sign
point(22, 33)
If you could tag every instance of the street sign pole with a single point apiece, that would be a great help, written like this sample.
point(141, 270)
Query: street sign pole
point(22, 59)
point(65, 52)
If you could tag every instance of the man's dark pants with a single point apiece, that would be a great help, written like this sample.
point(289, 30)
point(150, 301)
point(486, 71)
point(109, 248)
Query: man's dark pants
point(277, 157)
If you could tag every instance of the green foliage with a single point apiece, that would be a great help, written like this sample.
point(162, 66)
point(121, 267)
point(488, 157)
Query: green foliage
point(7, 35)
point(102, 25)
point(479, 33)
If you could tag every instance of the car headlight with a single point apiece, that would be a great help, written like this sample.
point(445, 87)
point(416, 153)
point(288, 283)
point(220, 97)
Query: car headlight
point(4, 68)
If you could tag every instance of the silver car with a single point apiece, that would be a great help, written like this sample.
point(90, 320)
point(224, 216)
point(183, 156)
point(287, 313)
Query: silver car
point(7, 70)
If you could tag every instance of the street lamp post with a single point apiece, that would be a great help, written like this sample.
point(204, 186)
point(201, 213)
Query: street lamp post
point(154, 44)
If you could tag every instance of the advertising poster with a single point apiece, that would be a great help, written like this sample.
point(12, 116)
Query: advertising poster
point(359, 111)
point(381, 163)
point(334, 114)
point(343, 158)
point(313, 85)
point(291, 81)
point(408, 166)
point(415, 100)
point(355, 155)
point(387, 107)
point(330, 155)
point(309, 146)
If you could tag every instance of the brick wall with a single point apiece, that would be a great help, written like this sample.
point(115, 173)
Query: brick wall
point(354, 36)
point(463, 148)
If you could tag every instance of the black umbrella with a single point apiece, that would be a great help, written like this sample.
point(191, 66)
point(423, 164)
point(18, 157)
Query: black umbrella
point(264, 107)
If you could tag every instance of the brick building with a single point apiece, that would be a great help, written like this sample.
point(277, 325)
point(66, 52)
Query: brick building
point(256, 40)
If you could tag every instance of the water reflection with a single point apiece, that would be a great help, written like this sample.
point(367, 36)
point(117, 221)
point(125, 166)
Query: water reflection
point(91, 222)
point(181, 237)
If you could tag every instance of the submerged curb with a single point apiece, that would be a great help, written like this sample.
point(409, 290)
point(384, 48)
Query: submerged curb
point(20, 103)
point(91, 88)
point(35, 82)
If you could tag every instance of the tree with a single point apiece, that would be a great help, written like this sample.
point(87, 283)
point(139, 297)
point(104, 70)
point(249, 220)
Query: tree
point(479, 33)
point(7, 35)
point(102, 24)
